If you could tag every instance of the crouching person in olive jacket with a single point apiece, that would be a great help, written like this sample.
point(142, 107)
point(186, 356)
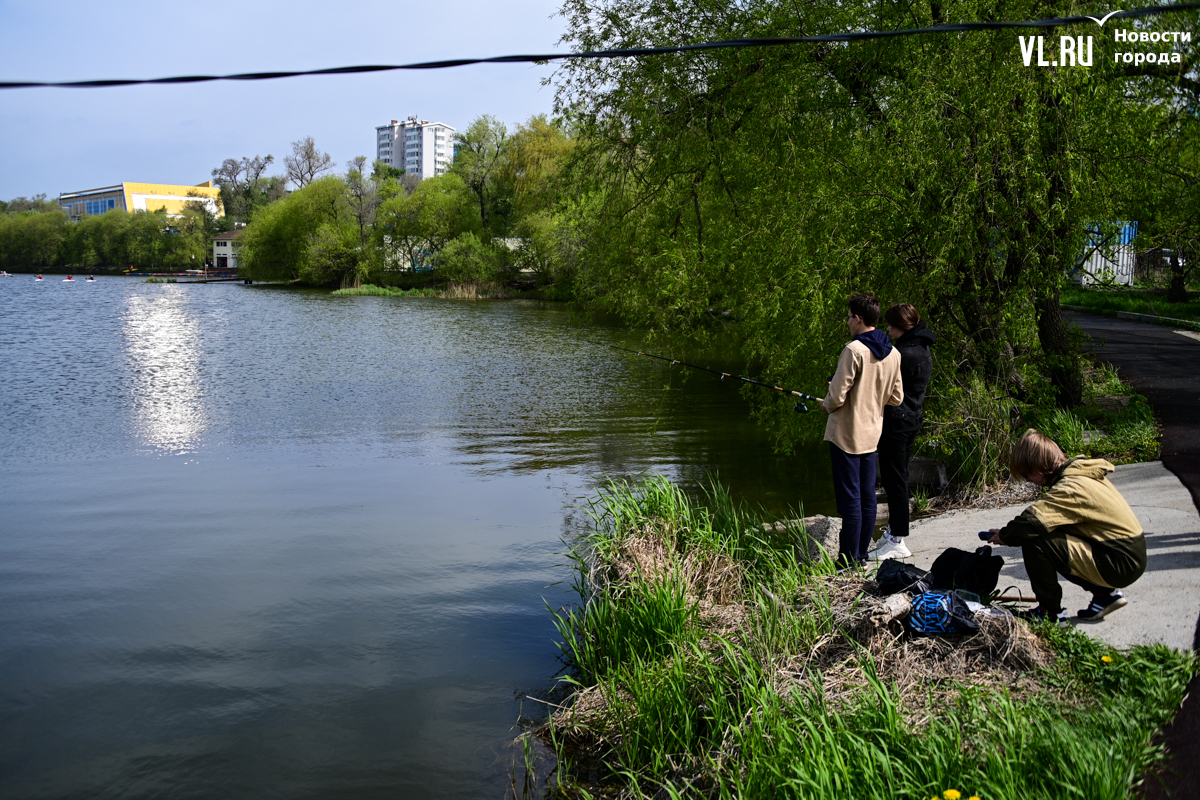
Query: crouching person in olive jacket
point(1081, 529)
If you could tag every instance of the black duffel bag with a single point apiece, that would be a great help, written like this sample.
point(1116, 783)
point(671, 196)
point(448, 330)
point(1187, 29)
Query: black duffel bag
point(896, 576)
point(977, 572)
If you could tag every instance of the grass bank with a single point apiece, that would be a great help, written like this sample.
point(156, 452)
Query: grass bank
point(371, 290)
point(709, 657)
point(1137, 301)
point(453, 291)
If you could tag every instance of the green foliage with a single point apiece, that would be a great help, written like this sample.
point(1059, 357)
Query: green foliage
point(971, 429)
point(538, 250)
point(771, 184)
point(624, 507)
point(920, 500)
point(1154, 677)
point(381, 171)
point(276, 245)
point(245, 187)
point(113, 240)
point(411, 230)
point(465, 259)
point(1121, 433)
point(1064, 428)
point(482, 151)
point(644, 620)
point(334, 255)
point(1104, 381)
point(32, 239)
point(532, 170)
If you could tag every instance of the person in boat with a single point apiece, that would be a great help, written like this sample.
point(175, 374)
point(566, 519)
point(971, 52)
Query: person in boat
point(91, 277)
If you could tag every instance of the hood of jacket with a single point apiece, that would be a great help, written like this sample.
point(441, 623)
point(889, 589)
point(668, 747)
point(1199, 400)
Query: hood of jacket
point(1094, 468)
point(917, 334)
point(876, 341)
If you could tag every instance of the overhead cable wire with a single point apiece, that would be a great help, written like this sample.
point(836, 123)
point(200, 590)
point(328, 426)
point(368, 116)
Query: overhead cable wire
point(614, 53)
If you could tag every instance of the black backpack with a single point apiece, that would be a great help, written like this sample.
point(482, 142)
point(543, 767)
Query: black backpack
point(896, 576)
point(977, 572)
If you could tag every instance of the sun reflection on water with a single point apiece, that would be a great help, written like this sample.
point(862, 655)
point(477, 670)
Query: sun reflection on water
point(162, 347)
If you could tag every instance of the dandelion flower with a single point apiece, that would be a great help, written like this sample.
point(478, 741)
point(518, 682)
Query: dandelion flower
point(1106, 659)
point(973, 797)
point(952, 794)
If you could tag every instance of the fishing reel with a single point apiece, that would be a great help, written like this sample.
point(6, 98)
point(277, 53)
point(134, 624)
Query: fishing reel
point(801, 408)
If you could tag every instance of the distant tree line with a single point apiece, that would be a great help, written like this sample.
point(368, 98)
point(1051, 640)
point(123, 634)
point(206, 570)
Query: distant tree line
point(492, 216)
point(44, 237)
point(36, 232)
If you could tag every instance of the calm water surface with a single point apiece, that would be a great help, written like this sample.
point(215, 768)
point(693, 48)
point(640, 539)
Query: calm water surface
point(260, 543)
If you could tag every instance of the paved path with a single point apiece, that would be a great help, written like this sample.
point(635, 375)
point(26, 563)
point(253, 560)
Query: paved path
point(1164, 365)
point(1164, 606)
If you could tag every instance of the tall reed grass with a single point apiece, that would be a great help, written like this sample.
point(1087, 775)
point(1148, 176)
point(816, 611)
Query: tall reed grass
point(371, 290)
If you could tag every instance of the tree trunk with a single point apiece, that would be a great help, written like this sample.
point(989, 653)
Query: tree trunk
point(1061, 358)
point(1177, 293)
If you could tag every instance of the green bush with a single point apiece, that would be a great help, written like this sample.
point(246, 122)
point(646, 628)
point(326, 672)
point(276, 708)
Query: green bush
point(467, 259)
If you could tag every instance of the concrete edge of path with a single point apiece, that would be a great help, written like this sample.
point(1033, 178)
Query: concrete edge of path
point(1135, 317)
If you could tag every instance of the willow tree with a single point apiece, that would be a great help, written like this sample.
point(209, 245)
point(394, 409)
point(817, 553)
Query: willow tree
point(311, 235)
point(766, 184)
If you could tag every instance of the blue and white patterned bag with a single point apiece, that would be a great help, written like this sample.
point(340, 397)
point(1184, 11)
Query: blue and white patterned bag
point(940, 613)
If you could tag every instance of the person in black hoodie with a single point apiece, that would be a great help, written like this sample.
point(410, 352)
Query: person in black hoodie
point(901, 423)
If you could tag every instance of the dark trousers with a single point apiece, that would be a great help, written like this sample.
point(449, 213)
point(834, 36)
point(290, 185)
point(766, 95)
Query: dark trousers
point(854, 489)
point(895, 451)
point(1047, 557)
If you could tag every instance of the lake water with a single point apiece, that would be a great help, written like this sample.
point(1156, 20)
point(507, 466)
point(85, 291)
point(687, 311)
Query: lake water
point(265, 543)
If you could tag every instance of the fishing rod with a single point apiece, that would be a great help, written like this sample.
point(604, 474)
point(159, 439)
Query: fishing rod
point(800, 407)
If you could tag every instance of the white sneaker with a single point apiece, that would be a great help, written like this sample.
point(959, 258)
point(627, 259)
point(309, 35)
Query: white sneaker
point(882, 540)
point(890, 548)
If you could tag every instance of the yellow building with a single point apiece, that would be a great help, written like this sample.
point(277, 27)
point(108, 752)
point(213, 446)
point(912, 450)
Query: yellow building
point(141, 197)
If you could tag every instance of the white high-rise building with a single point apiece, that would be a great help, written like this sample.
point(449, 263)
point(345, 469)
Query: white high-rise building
point(418, 147)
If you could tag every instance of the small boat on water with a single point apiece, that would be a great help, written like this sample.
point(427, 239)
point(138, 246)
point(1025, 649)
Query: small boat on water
point(5, 274)
point(69, 279)
point(91, 278)
point(38, 278)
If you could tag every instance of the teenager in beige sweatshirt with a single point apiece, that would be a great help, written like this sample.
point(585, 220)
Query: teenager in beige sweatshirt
point(867, 379)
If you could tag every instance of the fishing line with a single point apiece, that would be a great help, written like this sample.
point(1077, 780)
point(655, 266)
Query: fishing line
point(799, 407)
point(627, 52)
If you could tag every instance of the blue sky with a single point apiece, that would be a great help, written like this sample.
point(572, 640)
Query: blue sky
point(58, 140)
